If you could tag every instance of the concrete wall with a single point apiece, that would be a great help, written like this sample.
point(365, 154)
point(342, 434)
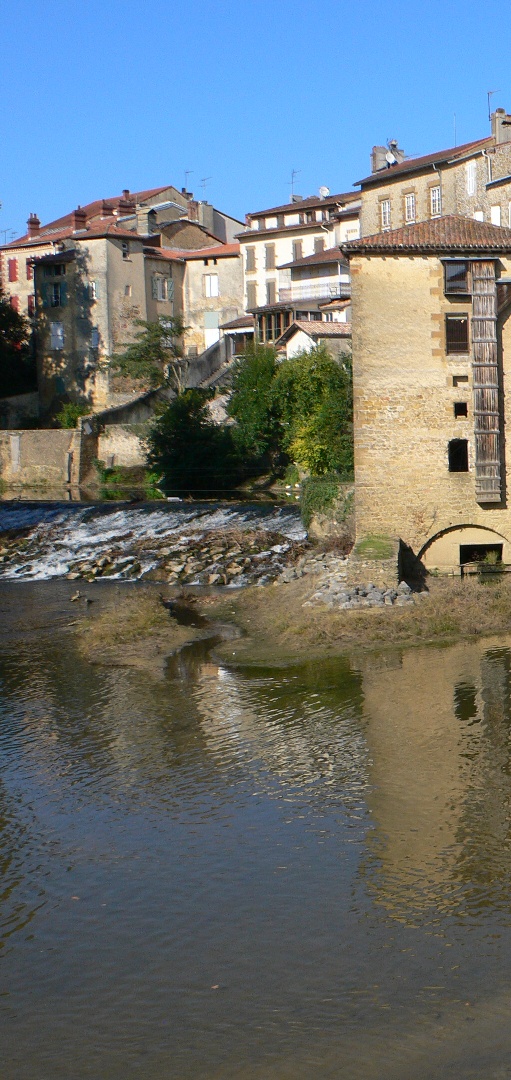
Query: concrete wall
point(15, 411)
point(119, 445)
point(226, 306)
point(404, 398)
point(38, 457)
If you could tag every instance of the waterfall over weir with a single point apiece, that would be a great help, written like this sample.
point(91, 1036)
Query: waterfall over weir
point(44, 541)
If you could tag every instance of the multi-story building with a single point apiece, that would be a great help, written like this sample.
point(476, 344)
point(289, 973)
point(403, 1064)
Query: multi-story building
point(432, 377)
point(473, 179)
point(290, 254)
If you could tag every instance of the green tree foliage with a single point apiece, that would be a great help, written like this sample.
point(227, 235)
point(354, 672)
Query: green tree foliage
point(70, 413)
point(253, 404)
point(193, 455)
point(314, 393)
point(155, 356)
point(17, 370)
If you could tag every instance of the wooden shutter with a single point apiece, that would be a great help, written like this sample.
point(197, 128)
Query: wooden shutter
point(251, 295)
point(486, 384)
point(12, 269)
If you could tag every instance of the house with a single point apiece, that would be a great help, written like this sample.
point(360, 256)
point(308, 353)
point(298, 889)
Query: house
point(432, 388)
point(286, 254)
point(85, 278)
point(302, 336)
point(473, 179)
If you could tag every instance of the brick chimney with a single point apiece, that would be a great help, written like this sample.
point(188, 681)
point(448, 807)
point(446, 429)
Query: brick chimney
point(501, 126)
point(33, 225)
point(384, 157)
point(126, 204)
point(79, 219)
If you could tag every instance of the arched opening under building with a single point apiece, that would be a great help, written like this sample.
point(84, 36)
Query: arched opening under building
point(462, 546)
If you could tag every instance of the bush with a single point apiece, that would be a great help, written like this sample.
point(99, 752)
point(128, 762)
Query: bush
point(253, 404)
point(192, 454)
point(70, 414)
point(314, 395)
point(319, 494)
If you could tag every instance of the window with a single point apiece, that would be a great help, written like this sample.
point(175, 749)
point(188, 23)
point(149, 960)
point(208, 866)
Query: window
point(251, 295)
point(271, 292)
point(127, 290)
point(250, 263)
point(56, 335)
point(435, 201)
point(269, 256)
point(471, 177)
point(297, 250)
point(495, 215)
point(30, 270)
point(14, 302)
point(31, 304)
point(456, 333)
point(460, 380)
point(125, 249)
point(478, 215)
point(54, 269)
point(456, 278)
point(94, 338)
point(160, 287)
point(55, 295)
point(458, 455)
point(385, 213)
point(93, 290)
point(319, 244)
point(410, 207)
point(12, 269)
point(280, 220)
point(460, 409)
point(211, 285)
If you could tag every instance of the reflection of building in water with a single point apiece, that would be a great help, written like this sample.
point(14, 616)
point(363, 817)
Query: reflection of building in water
point(437, 734)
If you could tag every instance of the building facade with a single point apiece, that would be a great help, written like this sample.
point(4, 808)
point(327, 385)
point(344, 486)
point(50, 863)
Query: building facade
point(432, 372)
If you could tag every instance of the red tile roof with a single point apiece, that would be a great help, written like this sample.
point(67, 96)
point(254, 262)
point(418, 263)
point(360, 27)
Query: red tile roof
point(93, 211)
point(107, 227)
point(451, 233)
point(329, 255)
point(413, 164)
point(221, 251)
point(311, 201)
point(244, 322)
point(316, 329)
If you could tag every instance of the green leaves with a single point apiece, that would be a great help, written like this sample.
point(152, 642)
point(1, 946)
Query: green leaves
point(155, 356)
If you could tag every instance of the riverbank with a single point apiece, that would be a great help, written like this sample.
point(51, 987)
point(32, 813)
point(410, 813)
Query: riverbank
point(276, 625)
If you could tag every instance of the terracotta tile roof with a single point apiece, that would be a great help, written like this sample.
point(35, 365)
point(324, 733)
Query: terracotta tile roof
point(329, 255)
point(93, 211)
point(334, 305)
point(221, 251)
point(316, 329)
point(255, 234)
point(412, 164)
point(107, 227)
point(244, 322)
point(311, 201)
point(451, 233)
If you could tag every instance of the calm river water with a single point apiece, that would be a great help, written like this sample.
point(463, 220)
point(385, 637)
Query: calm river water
point(289, 874)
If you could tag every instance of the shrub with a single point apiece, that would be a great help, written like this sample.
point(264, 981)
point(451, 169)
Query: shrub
point(193, 455)
point(70, 414)
point(319, 494)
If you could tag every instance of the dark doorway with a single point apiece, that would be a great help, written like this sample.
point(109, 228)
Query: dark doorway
point(458, 455)
point(470, 553)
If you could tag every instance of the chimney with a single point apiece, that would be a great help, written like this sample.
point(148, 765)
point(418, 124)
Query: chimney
point(384, 157)
point(125, 194)
point(79, 219)
point(145, 219)
point(33, 225)
point(501, 126)
point(126, 204)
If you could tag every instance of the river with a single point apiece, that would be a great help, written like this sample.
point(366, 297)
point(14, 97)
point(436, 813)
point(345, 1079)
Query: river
point(248, 874)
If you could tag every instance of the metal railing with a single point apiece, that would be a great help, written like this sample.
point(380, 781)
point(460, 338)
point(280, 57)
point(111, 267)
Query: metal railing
point(340, 291)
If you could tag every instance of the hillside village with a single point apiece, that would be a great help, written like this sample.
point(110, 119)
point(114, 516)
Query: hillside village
point(412, 270)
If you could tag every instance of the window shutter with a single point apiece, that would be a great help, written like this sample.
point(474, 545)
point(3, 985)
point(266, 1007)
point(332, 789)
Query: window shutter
point(63, 293)
point(13, 269)
point(154, 286)
point(44, 295)
point(170, 288)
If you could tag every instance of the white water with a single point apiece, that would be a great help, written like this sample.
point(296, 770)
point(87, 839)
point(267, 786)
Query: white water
point(59, 536)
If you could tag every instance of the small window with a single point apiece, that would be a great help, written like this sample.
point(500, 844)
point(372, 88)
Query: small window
point(385, 213)
point(125, 249)
point(93, 292)
point(456, 277)
point(250, 263)
point(471, 177)
point(458, 455)
point(30, 270)
point(271, 292)
point(297, 250)
point(319, 244)
point(410, 208)
point(269, 254)
point(251, 295)
point(94, 337)
point(456, 333)
point(280, 221)
point(59, 269)
point(211, 285)
point(460, 409)
point(127, 290)
point(495, 215)
point(478, 215)
point(435, 201)
point(56, 295)
point(56, 335)
point(459, 380)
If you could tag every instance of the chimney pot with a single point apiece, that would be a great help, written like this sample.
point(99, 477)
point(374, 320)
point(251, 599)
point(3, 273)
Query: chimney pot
point(33, 225)
point(79, 219)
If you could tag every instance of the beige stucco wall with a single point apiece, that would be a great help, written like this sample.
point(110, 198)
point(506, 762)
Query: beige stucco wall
point(404, 407)
point(118, 445)
point(228, 304)
point(36, 457)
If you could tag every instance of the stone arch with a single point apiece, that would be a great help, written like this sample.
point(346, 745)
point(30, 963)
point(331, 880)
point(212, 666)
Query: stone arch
point(443, 551)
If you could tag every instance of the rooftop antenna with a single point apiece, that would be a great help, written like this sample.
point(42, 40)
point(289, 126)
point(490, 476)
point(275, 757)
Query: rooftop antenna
point(7, 233)
point(188, 172)
point(294, 174)
point(489, 96)
point(203, 186)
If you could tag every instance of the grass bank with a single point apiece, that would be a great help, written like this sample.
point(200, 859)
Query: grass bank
point(134, 630)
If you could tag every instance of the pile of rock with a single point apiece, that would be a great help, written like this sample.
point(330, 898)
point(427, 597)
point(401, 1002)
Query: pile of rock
point(339, 595)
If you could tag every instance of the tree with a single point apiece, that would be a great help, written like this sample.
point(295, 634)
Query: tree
point(253, 403)
point(155, 356)
point(314, 395)
point(194, 455)
point(17, 370)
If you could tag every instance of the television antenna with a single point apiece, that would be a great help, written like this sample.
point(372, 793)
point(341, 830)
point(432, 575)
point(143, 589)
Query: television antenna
point(294, 174)
point(489, 96)
point(203, 186)
point(7, 233)
point(188, 172)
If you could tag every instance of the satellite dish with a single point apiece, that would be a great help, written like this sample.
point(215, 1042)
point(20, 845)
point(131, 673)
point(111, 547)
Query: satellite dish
point(390, 158)
point(324, 192)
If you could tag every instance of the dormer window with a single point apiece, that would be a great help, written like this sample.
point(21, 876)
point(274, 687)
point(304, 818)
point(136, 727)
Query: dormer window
point(456, 277)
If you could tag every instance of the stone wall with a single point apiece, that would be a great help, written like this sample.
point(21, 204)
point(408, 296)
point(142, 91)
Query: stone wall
point(36, 458)
point(15, 411)
point(120, 445)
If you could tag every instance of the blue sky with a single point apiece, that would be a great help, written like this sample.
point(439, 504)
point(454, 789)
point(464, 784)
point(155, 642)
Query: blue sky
point(98, 96)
